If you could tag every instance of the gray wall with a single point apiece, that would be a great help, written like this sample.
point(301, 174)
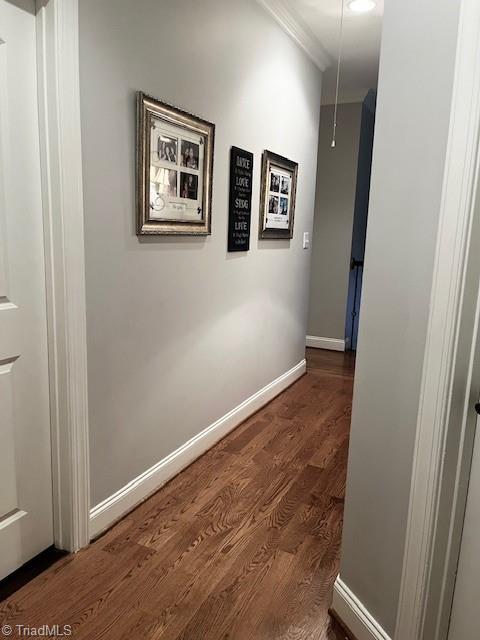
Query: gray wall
point(413, 109)
point(334, 208)
point(180, 332)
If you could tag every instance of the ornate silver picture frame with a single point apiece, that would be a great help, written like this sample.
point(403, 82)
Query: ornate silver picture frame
point(277, 197)
point(174, 170)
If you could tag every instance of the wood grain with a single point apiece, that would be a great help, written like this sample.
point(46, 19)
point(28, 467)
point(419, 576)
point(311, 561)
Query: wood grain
point(244, 544)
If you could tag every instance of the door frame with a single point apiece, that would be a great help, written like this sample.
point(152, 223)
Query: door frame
point(444, 441)
point(62, 194)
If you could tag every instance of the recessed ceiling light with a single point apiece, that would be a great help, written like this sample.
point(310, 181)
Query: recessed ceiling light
point(361, 6)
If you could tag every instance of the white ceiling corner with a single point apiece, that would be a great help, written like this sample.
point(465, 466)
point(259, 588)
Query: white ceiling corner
point(299, 31)
point(314, 26)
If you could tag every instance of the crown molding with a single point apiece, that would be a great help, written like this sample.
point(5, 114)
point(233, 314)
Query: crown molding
point(298, 31)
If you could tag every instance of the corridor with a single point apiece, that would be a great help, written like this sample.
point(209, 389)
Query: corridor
point(243, 544)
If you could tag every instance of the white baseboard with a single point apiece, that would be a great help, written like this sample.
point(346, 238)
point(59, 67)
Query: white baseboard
point(354, 615)
point(333, 344)
point(103, 515)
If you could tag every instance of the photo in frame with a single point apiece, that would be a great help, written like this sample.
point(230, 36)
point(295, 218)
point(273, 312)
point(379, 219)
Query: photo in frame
point(278, 196)
point(174, 170)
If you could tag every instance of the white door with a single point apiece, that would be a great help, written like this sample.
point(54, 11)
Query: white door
point(26, 526)
point(464, 623)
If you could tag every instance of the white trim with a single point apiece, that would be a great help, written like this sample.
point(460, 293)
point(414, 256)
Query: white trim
point(437, 416)
point(298, 31)
point(12, 518)
point(354, 615)
point(332, 344)
point(106, 513)
point(62, 191)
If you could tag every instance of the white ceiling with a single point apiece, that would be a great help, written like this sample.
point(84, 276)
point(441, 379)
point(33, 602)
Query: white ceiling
point(319, 21)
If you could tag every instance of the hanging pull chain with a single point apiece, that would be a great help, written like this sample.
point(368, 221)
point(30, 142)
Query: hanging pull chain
point(340, 52)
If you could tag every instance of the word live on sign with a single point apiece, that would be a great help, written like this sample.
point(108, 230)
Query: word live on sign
point(240, 212)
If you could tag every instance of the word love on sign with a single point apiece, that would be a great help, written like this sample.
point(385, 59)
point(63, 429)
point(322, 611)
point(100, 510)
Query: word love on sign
point(241, 178)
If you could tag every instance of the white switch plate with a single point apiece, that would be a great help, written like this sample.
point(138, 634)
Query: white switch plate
point(306, 240)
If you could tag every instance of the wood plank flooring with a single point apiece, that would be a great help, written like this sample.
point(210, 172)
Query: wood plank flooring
point(244, 544)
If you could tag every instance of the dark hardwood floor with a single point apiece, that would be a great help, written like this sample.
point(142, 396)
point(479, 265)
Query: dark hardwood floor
point(244, 544)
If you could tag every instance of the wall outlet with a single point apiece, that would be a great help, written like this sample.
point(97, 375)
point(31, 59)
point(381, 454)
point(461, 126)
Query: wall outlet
point(306, 240)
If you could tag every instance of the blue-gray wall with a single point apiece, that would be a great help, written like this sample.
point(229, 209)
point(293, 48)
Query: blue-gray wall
point(412, 123)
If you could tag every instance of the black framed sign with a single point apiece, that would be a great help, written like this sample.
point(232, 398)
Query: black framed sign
point(240, 213)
